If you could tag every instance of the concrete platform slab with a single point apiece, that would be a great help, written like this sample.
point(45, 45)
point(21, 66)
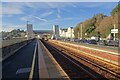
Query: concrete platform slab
point(47, 67)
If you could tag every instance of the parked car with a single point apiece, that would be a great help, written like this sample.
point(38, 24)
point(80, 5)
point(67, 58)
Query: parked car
point(76, 40)
point(92, 41)
point(112, 43)
point(84, 41)
point(102, 42)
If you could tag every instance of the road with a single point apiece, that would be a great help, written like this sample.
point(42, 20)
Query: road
point(21, 64)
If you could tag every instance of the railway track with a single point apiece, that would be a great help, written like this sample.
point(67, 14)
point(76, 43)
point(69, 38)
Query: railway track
point(72, 67)
point(107, 70)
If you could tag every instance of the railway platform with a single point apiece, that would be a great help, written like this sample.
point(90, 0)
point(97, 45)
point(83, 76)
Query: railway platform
point(48, 67)
point(102, 53)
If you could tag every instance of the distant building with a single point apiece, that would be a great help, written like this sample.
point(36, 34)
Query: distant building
point(56, 31)
point(70, 32)
point(67, 32)
point(63, 32)
point(30, 34)
point(23, 34)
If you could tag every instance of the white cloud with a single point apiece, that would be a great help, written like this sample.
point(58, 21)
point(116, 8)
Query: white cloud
point(30, 5)
point(31, 18)
point(59, 0)
point(41, 19)
point(8, 10)
point(58, 10)
point(46, 14)
point(60, 4)
point(9, 28)
point(25, 18)
point(55, 21)
point(11, 8)
point(61, 19)
point(104, 5)
point(9, 15)
point(58, 13)
point(48, 5)
point(16, 8)
point(58, 16)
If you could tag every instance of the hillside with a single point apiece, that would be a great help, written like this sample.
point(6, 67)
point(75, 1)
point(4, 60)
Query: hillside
point(99, 23)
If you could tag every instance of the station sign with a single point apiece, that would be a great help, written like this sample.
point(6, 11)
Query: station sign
point(114, 30)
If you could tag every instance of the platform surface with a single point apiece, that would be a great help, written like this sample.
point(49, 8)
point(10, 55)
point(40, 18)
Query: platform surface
point(47, 68)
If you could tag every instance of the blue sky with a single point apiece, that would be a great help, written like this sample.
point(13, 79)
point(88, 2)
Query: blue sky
point(45, 14)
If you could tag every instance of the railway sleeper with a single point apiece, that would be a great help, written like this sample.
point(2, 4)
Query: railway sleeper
point(96, 69)
point(106, 74)
point(105, 66)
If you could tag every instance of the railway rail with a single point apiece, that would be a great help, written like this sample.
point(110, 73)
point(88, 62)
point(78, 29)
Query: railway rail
point(106, 69)
point(72, 67)
point(110, 56)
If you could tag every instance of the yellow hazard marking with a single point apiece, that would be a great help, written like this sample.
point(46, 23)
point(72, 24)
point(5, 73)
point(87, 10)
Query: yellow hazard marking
point(33, 64)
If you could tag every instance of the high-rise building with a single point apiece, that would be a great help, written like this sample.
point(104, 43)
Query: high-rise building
point(30, 34)
point(56, 31)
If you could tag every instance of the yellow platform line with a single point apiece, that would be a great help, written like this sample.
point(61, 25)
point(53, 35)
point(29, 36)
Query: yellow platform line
point(33, 64)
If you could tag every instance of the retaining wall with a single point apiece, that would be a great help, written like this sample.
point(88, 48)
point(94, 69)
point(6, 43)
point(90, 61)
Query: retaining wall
point(11, 49)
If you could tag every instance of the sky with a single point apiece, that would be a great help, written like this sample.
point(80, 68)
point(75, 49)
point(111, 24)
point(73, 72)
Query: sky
point(43, 15)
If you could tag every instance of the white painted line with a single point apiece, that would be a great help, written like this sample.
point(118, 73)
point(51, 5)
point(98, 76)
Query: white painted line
point(23, 70)
point(111, 61)
point(33, 64)
point(89, 48)
point(100, 50)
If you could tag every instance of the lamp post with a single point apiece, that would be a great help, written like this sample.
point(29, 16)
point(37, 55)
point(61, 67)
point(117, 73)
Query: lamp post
point(99, 36)
point(65, 33)
point(114, 33)
point(81, 29)
point(78, 33)
point(71, 32)
point(27, 30)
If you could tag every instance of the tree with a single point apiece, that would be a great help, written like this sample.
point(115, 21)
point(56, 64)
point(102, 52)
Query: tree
point(116, 9)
